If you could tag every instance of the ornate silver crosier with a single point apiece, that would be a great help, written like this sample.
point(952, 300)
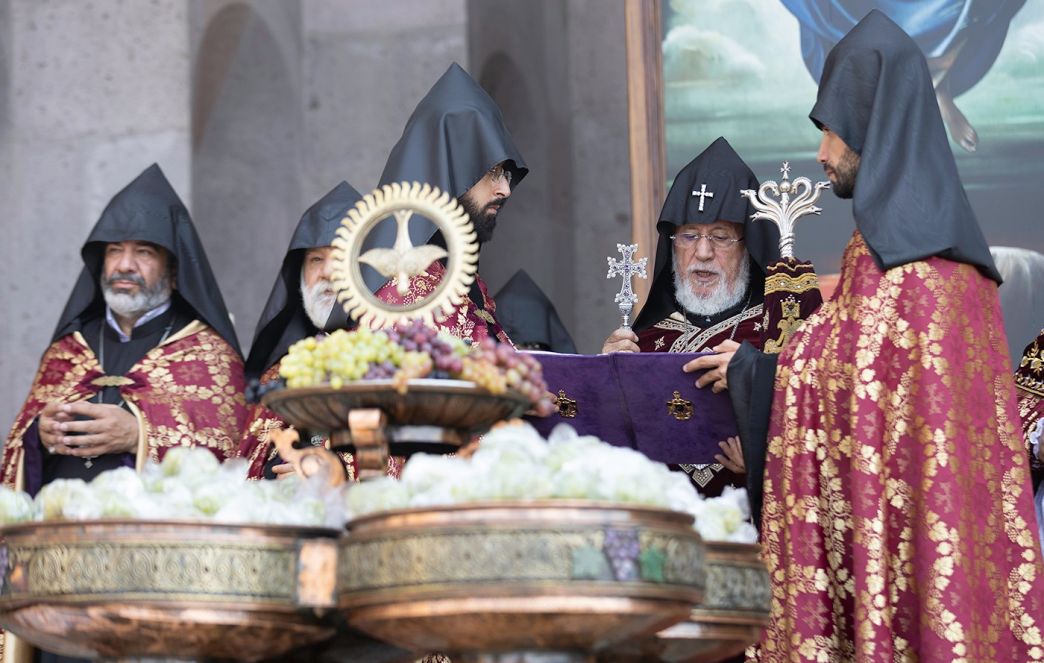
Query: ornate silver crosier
point(625, 269)
point(786, 211)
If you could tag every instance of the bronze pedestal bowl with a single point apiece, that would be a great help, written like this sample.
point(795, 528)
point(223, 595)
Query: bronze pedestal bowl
point(125, 588)
point(553, 576)
point(734, 611)
point(456, 404)
point(433, 415)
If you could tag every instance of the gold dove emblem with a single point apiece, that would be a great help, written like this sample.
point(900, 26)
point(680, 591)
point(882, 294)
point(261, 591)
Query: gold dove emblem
point(404, 259)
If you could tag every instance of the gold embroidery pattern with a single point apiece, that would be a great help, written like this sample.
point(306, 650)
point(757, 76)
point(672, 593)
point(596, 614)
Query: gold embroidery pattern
point(203, 369)
point(1030, 375)
point(694, 339)
point(198, 373)
point(788, 323)
point(112, 381)
point(783, 282)
point(878, 526)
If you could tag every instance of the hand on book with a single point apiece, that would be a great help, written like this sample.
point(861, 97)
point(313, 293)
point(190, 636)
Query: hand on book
point(732, 455)
point(715, 365)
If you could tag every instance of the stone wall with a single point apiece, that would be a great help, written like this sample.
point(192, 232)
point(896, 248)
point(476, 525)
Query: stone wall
point(93, 93)
point(255, 109)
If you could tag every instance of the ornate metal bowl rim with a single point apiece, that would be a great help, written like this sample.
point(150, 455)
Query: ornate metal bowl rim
point(563, 504)
point(424, 385)
point(292, 530)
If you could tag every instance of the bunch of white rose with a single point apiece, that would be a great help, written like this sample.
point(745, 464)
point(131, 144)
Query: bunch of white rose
point(190, 484)
point(514, 462)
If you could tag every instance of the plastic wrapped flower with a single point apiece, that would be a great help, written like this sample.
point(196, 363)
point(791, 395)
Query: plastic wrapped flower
point(382, 494)
point(190, 463)
point(54, 498)
point(15, 506)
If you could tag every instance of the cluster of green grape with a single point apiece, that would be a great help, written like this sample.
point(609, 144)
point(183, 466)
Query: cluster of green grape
point(343, 356)
point(408, 351)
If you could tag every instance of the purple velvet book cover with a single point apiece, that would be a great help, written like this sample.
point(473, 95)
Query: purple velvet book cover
point(629, 399)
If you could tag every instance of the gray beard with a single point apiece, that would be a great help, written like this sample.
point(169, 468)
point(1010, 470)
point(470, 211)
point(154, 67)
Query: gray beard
point(317, 306)
point(724, 296)
point(127, 305)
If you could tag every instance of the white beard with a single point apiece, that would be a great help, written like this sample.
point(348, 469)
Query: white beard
point(725, 295)
point(127, 305)
point(317, 303)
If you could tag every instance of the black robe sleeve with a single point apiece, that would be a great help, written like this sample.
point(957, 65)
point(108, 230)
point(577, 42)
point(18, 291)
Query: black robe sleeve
point(751, 378)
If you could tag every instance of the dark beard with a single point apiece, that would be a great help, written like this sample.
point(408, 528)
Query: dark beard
point(846, 170)
point(484, 222)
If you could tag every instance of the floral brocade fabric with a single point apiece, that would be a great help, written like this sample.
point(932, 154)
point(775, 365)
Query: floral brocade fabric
point(467, 321)
point(898, 523)
point(188, 391)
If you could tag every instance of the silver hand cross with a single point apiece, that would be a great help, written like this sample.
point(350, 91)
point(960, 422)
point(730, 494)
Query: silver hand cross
point(625, 269)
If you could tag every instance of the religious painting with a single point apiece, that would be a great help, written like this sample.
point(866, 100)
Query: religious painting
point(748, 70)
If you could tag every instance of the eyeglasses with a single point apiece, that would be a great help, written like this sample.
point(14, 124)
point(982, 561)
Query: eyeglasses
point(717, 240)
point(498, 173)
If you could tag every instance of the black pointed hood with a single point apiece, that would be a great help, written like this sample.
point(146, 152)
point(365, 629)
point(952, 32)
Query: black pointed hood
point(149, 210)
point(718, 171)
point(876, 94)
point(284, 321)
point(454, 136)
point(529, 318)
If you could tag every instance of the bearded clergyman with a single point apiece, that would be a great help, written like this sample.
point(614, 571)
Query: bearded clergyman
point(456, 140)
point(708, 282)
point(144, 357)
point(896, 512)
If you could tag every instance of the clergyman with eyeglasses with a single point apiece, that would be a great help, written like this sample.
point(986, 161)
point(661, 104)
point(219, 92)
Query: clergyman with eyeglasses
point(456, 140)
point(708, 281)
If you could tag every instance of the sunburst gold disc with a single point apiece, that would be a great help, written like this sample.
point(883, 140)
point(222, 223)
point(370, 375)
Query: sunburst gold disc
point(404, 261)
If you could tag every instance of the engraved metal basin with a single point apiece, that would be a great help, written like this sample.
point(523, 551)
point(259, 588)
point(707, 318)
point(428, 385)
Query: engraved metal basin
point(124, 588)
point(452, 404)
point(498, 577)
point(734, 611)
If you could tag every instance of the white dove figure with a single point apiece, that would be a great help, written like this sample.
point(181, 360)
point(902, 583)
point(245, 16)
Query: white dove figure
point(404, 259)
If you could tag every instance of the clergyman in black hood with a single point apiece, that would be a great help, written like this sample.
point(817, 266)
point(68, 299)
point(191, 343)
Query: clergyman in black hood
point(709, 276)
point(302, 304)
point(143, 358)
point(456, 140)
point(708, 281)
point(882, 445)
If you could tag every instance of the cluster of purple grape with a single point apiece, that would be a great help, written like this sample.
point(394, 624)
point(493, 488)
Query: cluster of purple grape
point(622, 548)
point(383, 371)
point(426, 353)
point(498, 367)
